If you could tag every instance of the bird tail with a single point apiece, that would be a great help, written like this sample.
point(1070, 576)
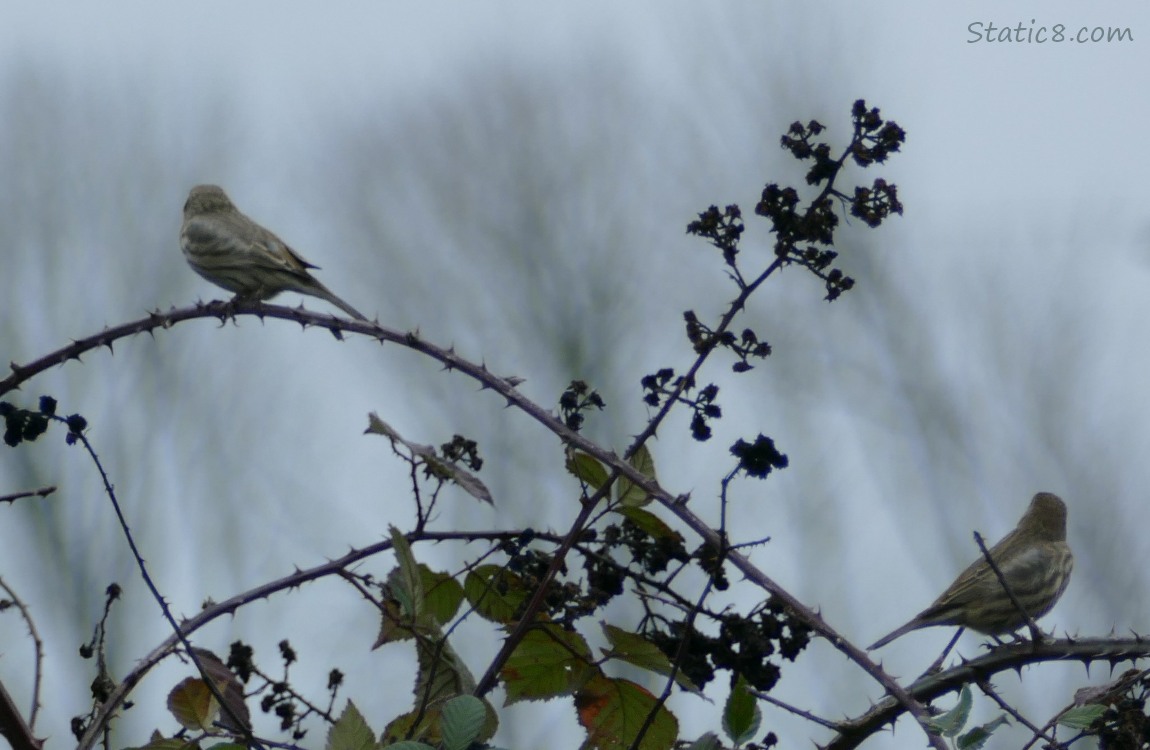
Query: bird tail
point(912, 625)
point(345, 307)
point(313, 287)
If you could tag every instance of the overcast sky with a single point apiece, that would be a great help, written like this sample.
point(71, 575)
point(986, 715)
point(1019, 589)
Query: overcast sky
point(515, 179)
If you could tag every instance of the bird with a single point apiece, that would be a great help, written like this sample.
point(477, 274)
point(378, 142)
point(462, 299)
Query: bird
point(1035, 561)
point(235, 253)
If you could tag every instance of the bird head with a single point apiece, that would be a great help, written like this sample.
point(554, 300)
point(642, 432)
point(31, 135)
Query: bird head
point(1045, 518)
point(207, 199)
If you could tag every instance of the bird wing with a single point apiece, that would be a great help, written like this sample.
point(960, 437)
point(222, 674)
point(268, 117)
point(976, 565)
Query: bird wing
point(979, 582)
point(291, 258)
point(235, 240)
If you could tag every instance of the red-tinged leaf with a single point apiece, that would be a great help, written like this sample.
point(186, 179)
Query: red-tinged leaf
point(613, 711)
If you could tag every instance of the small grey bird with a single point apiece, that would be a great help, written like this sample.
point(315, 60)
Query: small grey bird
point(232, 251)
point(1034, 559)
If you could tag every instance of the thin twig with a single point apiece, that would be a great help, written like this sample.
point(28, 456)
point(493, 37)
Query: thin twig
point(834, 726)
point(1035, 633)
point(239, 724)
point(937, 664)
point(41, 492)
point(989, 690)
point(37, 644)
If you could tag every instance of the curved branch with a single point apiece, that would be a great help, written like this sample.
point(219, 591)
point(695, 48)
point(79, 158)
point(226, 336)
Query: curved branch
point(505, 387)
point(853, 732)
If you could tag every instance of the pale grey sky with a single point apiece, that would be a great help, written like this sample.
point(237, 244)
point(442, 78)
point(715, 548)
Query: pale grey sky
point(515, 179)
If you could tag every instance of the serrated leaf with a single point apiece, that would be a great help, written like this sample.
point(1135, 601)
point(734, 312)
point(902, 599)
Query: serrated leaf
point(548, 662)
point(614, 710)
point(442, 673)
point(405, 582)
point(439, 466)
point(637, 650)
point(977, 737)
point(496, 594)
point(460, 476)
point(446, 681)
point(409, 745)
point(951, 723)
point(462, 720)
point(741, 715)
point(393, 626)
point(350, 731)
point(442, 594)
point(376, 426)
point(630, 494)
point(404, 610)
point(1081, 717)
point(587, 468)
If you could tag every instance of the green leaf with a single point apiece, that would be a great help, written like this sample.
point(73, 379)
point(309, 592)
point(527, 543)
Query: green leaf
point(496, 593)
point(1081, 717)
point(655, 527)
point(405, 581)
point(587, 468)
point(461, 722)
point(630, 494)
point(741, 716)
point(350, 732)
point(951, 723)
point(443, 594)
point(548, 662)
point(977, 737)
point(637, 650)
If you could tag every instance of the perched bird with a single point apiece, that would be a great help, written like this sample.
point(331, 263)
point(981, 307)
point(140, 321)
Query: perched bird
point(1035, 561)
point(232, 251)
